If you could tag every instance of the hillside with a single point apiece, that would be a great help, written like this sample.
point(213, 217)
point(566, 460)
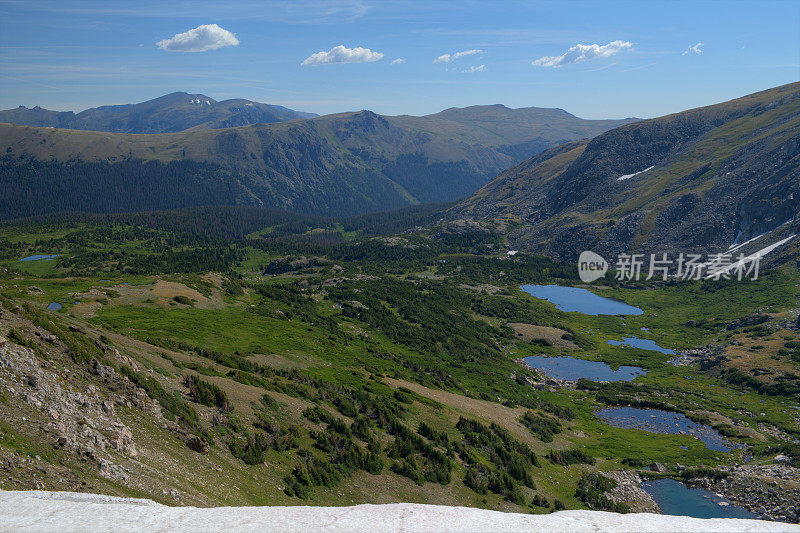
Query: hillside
point(231, 357)
point(696, 181)
point(169, 113)
point(340, 164)
point(65, 511)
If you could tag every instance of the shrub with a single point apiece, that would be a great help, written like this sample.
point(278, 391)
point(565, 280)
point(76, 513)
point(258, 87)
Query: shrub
point(207, 393)
point(592, 490)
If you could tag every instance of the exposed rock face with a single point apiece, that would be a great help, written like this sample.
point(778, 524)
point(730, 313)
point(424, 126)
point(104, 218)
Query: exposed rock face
point(80, 418)
point(629, 491)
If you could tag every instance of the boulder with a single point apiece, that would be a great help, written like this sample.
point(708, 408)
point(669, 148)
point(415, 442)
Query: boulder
point(98, 369)
point(198, 445)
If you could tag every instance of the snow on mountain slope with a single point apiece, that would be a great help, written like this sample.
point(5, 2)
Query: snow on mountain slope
point(72, 511)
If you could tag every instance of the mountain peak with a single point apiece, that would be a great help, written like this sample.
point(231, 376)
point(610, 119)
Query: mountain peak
point(173, 112)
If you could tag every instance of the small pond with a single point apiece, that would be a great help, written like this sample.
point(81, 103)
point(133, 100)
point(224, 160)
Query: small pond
point(675, 498)
point(644, 344)
point(580, 300)
point(659, 421)
point(54, 306)
point(38, 257)
point(572, 369)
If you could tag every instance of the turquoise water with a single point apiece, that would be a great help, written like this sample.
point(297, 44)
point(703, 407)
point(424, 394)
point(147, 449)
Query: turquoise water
point(572, 369)
point(54, 306)
point(580, 300)
point(659, 421)
point(675, 498)
point(38, 257)
point(644, 344)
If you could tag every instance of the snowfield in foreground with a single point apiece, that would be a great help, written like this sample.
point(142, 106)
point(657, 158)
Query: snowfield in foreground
point(72, 511)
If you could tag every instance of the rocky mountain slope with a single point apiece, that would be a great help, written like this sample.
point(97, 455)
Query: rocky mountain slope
point(697, 181)
point(169, 113)
point(333, 165)
point(67, 511)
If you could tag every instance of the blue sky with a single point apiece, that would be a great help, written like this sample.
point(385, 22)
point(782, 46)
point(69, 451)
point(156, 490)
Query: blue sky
point(73, 55)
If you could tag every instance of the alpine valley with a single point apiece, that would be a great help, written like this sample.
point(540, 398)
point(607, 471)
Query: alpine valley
point(233, 304)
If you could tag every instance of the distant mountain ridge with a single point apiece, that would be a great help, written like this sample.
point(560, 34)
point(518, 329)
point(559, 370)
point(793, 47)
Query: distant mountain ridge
point(170, 113)
point(342, 164)
point(696, 181)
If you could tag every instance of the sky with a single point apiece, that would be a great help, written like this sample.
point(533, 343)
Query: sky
point(595, 59)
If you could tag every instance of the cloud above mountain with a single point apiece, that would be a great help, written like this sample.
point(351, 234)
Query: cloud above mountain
point(200, 39)
point(342, 54)
point(583, 52)
point(448, 58)
point(476, 68)
point(696, 49)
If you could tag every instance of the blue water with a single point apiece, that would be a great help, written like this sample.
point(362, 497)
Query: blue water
point(675, 498)
point(37, 257)
point(580, 300)
point(658, 421)
point(54, 306)
point(572, 369)
point(644, 344)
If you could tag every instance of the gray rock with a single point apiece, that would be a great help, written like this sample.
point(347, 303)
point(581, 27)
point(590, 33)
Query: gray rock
point(101, 370)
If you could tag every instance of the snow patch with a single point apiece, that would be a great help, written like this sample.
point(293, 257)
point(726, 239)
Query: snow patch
point(72, 511)
point(735, 246)
point(742, 263)
point(628, 176)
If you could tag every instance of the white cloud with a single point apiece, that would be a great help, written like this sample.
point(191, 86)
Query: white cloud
point(447, 58)
point(476, 68)
point(583, 52)
point(696, 49)
point(200, 39)
point(398, 61)
point(342, 54)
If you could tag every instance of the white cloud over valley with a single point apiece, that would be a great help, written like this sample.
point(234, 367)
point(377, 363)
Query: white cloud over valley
point(199, 39)
point(696, 49)
point(583, 52)
point(448, 58)
point(476, 68)
point(342, 54)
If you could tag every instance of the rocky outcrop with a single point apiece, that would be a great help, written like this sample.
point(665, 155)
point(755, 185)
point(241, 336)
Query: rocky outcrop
point(80, 418)
point(630, 492)
point(771, 491)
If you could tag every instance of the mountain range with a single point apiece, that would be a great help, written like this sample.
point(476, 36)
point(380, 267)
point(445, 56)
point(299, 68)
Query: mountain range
point(340, 164)
point(697, 181)
point(169, 113)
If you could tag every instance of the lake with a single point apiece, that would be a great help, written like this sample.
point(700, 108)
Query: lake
point(675, 498)
point(38, 257)
point(644, 344)
point(572, 369)
point(580, 300)
point(659, 421)
point(54, 306)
